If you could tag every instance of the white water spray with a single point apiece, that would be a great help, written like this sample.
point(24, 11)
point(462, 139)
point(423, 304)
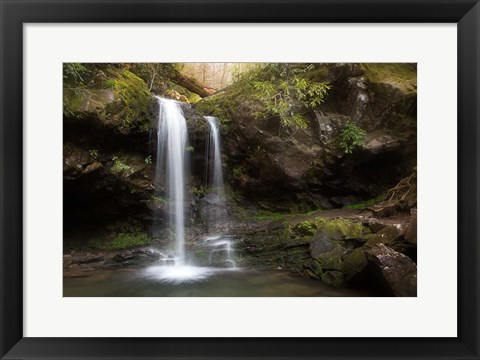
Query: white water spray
point(170, 166)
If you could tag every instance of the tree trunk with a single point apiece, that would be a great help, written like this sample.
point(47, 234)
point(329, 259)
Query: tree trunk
point(193, 85)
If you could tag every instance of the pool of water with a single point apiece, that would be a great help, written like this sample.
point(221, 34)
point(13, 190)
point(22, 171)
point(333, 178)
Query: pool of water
point(183, 281)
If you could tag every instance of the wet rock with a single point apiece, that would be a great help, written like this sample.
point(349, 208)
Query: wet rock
point(314, 267)
point(135, 256)
point(380, 142)
point(354, 263)
point(374, 225)
point(276, 225)
point(332, 260)
point(321, 243)
point(395, 271)
point(388, 235)
point(330, 232)
point(334, 278)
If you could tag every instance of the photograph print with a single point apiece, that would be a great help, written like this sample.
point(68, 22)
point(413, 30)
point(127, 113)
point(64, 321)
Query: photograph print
point(239, 179)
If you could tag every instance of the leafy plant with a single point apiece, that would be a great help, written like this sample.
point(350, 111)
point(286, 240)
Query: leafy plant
point(93, 153)
point(148, 159)
point(285, 91)
point(351, 137)
point(159, 200)
point(119, 166)
point(74, 72)
point(305, 227)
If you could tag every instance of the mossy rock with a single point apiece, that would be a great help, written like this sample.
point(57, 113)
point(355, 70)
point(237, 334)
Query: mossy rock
point(342, 228)
point(400, 76)
point(331, 232)
point(314, 267)
point(334, 278)
point(120, 100)
point(354, 263)
point(332, 260)
point(387, 235)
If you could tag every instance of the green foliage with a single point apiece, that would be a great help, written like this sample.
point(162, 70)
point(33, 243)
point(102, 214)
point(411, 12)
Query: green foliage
point(238, 170)
point(121, 241)
point(199, 190)
point(93, 153)
point(305, 227)
point(154, 74)
point(284, 91)
point(148, 159)
point(120, 166)
point(74, 72)
point(189, 148)
point(351, 137)
point(159, 200)
point(219, 105)
point(75, 88)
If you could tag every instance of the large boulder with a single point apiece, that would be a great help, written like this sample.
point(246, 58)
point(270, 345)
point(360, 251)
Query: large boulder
point(334, 232)
point(395, 271)
point(114, 98)
point(355, 263)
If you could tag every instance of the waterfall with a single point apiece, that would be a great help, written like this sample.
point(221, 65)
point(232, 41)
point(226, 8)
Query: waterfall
point(222, 247)
point(170, 167)
point(214, 173)
point(214, 152)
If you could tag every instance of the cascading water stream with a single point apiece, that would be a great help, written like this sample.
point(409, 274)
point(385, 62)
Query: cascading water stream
point(216, 208)
point(214, 172)
point(170, 167)
point(170, 182)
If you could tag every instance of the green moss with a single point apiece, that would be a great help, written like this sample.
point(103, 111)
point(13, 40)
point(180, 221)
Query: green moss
point(334, 278)
point(344, 227)
point(402, 76)
point(263, 215)
point(331, 260)
point(305, 227)
point(219, 105)
point(133, 94)
point(120, 241)
point(354, 263)
point(367, 203)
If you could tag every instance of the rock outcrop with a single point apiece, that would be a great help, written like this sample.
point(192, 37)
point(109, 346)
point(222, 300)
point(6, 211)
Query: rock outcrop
point(281, 168)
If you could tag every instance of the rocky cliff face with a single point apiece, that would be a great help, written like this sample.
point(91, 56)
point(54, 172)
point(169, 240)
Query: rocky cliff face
point(284, 169)
point(110, 121)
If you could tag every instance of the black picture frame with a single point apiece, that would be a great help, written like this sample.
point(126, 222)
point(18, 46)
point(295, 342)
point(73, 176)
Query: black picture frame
point(14, 13)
